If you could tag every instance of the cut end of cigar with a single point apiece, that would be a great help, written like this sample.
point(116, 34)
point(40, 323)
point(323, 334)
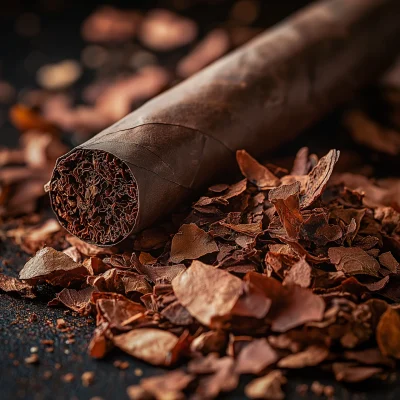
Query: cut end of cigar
point(95, 197)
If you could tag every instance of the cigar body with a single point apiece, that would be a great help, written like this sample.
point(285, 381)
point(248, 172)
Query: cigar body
point(255, 98)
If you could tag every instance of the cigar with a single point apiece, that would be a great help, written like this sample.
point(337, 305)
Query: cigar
point(255, 98)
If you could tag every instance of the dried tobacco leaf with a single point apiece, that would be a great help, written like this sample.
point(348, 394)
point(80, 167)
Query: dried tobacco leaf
point(10, 284)
point(267, 387)
point(222, 379)
point(160, 273)
point(255, 357)
point(54, 267)
point(291, 305)
point(151, 345)
point(210, 342)
point(318, 178)
point(311, 356)
point(255, 172)
point(388, 333)
point(76, 300)
point(353, 261)
point(206, 291)
point(388, 261)
point(349, 372)
point(74, 253)
point(286, 201)
point(168, 386)
point(190, 243)
point(371, 356)
point(299, 274)
point(88, 249)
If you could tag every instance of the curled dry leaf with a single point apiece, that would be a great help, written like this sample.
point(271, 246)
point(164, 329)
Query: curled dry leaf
point(87, 249)
point(353, 261)
point(76, 300)
point(299, 274)
point(160, 273)
point(318, 178)
point(350, 372)
point(388, 261)
point(54, 267)
point(255, 357)
point(10, 284)
point(311, 356)
point(255, 172)
point(268, 387)
point(388, 333)
point(291, 305)
point(207, 292)
point(190, 243)
point(286, 201)
point(74, 253)
point(371, 356)
point(210, 342)
point(168, 386)
point(151, 345)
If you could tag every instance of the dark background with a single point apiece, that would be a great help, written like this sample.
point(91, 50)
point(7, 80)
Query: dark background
point(20, 57)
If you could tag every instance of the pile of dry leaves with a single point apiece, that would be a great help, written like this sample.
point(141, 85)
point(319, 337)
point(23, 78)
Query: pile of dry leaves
point(278, 271)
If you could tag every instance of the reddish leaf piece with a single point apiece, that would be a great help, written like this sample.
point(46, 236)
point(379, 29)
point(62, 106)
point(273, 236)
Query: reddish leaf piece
point(349, 372)
point(291, 305)
point(247, 229)
point(353, 261)
point(301, 163)
point(286, 201)
point(10, 284)
point(311, 356)
point(255, 357)
point(151, 345)
point(388, 261)
point(370, 357)
point(53, 267)
point(164, 387)
point(208, 293)
point(76, 300)
point(190, 243)
point(299, 274)
point(388, 333)
point(210, 342)
point(318, 178)
point(124, 282)
point(255, 172)
point(222, 379)
point(268, 387)
point(119, 312)
point(88, 249)
point(157, 273)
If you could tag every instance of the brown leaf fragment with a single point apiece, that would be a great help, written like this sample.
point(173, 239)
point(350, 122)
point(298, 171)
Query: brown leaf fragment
point(124, 282)
point(371, 356)
point(74, 253)
point(301, 164)
point(10, 284)
point(160, 273)
point(251, 230)
point(349, 372)
point(318, 178)
point(88, 249)
point(388, 261)
point(388, 333)
point(177, 314)
point(168, 386)
point(222, 379)
point(311, 356)
point(299, 274)
point(118, 312)
point(76, 300)
point(210, 342)
point(255, 357)
point(207, 292)
point(353, 261)
point(286, 201)
point(190, 243)
point(292, 305)
point(54, 267)
point(268, 387)
point(151, 345)
point(255, 172)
